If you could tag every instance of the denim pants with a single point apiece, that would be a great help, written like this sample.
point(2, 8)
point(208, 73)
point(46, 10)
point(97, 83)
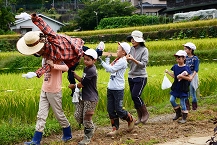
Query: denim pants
point(115, 104)
point(193, 94)
point(182, 102)
point(136, 87)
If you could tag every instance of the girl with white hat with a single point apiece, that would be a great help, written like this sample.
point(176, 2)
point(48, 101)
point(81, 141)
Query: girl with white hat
point(180, 86)
point(193, 62)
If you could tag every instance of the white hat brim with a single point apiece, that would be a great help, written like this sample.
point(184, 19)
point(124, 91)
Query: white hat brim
point(138, 39)
point(24, 49)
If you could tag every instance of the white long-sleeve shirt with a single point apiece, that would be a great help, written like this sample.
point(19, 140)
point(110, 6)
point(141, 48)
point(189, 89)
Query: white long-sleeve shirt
point(117, 70)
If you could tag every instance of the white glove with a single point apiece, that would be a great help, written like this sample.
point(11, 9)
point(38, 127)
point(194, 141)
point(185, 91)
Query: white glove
point(29, 75)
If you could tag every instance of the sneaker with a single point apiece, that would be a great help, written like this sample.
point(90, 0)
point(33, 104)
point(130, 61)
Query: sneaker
point(101, 46)
point(113, 132)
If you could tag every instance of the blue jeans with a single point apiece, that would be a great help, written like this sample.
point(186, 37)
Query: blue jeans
point(115, 104)
point(136, 87)
point(193, 94)
point(182, 102)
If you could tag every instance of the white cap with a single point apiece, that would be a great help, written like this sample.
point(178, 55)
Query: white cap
point(125, 46)
point(91, 52)
point(137, 36)
point(190, 45)
point(181, 53)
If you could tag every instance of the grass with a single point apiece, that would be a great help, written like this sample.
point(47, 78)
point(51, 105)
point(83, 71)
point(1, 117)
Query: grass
point(19, 103)
point(150, 28)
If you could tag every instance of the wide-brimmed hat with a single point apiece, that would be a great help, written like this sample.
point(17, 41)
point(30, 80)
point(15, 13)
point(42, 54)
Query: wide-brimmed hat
point(125, 46)
point(137, 36)
point(30, 43)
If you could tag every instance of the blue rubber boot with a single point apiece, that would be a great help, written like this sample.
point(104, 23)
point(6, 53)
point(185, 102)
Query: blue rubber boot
point(36, 139)
point(67, 135)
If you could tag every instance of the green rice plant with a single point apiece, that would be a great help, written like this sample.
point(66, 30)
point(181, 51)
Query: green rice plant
point(150, 28)
point(20, 96)
point(156, 47)
point(160, 53)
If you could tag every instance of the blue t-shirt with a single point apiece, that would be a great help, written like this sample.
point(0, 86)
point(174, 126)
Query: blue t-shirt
point(180, 88)
point(193, 63)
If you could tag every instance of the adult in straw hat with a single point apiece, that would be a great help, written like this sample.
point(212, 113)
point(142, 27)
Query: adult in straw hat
point(50, 45)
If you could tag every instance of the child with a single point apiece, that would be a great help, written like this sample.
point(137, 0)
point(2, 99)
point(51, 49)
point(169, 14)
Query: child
point(51, 96)
point(180, 88)
point(115, 90)
point(86, 107)
point(193, 62)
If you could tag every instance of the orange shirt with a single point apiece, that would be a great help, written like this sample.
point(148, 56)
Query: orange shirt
point(53, 79)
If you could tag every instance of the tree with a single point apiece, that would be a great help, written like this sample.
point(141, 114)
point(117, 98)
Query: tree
point(6, 17)
point(94, 11)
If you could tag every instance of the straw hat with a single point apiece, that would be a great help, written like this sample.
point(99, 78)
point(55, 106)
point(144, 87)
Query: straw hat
point(30, 43)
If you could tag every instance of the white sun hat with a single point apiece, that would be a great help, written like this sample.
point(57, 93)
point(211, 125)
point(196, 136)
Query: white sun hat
point(125, 46)
point(181, 53)
point(91, 52)
point(137, 36)
point(190, 45)
point(30, 43)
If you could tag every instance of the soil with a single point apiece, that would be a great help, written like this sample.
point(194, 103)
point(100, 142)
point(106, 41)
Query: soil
point(158, 130)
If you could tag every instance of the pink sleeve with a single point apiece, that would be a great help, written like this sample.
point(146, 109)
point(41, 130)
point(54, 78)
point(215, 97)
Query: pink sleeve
point(61, 67)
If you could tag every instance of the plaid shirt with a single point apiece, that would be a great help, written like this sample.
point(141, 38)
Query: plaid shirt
point(58, 47)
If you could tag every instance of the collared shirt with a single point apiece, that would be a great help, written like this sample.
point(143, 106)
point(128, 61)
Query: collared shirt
point(58, 47)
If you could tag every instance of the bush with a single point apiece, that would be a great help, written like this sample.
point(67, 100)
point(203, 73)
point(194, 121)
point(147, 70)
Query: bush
point(6, 45)
point(128, 21)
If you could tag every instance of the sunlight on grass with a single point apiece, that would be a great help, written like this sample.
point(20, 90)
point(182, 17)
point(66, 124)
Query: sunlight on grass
point(19, 103)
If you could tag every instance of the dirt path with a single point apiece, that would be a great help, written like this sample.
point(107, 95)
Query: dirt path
point(160, 130)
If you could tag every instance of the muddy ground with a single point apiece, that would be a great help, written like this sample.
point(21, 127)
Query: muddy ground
point(158, 129)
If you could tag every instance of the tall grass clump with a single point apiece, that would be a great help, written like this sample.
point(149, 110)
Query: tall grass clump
point(180, 25)
point(20, 97)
